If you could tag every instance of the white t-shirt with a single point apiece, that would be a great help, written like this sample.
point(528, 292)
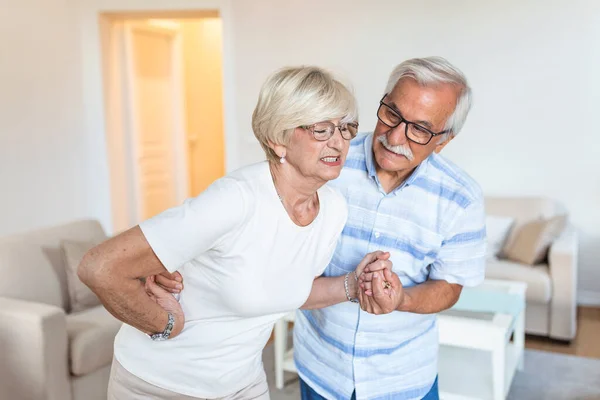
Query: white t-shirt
point(245, 264)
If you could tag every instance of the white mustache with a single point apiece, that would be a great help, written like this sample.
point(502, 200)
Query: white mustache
point(401, 150)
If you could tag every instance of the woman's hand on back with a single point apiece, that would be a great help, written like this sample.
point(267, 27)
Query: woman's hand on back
point(170, 282)
point(168, 302)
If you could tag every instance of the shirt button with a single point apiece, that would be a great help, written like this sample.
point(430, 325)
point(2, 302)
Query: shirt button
point(377, 234)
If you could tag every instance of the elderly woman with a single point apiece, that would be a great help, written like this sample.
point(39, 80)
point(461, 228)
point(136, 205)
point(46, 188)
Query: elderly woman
point(249, 249)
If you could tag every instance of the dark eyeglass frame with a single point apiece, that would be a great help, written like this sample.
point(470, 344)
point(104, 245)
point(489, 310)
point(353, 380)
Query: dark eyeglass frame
point(407, 123)
point(311, 129)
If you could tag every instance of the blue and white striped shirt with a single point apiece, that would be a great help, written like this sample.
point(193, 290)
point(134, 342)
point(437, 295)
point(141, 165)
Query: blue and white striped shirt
point(434, 227)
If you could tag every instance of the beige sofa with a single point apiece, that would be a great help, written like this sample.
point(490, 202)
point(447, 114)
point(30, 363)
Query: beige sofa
point(552, 287)
point(46, 351)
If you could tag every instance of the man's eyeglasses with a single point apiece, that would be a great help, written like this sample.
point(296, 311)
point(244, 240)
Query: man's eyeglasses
point(414, 132)
point(324, 130)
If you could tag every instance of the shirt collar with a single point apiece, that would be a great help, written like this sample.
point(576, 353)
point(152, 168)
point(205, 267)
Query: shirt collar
point(369, 158)
point(372, 171)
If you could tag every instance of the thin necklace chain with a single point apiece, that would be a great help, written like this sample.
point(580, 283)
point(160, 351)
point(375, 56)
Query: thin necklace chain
point(280, 198)
point(284, 207)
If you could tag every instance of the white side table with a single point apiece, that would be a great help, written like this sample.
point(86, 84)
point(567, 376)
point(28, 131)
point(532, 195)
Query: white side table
point(284, 357)
point(478, 359)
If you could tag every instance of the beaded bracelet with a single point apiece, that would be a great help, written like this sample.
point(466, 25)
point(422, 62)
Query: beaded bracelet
point(354, 300)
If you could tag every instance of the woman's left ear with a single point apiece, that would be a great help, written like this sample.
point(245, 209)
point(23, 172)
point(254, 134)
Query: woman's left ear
point(279, 149)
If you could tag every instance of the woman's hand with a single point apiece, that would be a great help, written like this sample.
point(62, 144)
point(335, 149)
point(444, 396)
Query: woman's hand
point(383, 291)
point(381, 264)
point(378, 256)
point(378, 260)
point(168, 302)
point(170, 282)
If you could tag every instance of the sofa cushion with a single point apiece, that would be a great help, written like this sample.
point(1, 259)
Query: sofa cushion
point(523, 209)
point(537, 277)
point(32, 264)
point(80, 296)
point(533, 240)
point(91, 336)
point(497, 230)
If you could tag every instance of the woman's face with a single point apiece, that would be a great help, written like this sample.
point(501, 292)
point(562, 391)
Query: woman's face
point(321, 161)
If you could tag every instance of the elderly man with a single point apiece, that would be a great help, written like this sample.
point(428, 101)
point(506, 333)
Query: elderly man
point(404, 198)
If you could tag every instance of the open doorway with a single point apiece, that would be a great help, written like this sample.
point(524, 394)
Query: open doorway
point(163, 90)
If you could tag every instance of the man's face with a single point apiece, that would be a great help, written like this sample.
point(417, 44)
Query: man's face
point(430, 107)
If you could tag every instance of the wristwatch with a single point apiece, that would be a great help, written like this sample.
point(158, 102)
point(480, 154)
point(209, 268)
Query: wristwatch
point(164, 335)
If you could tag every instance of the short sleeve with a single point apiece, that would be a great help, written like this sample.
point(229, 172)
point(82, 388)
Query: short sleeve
point(461, 259)
point(180, 234)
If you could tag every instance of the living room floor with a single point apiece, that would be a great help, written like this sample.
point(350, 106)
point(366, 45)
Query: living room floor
point(585, 344)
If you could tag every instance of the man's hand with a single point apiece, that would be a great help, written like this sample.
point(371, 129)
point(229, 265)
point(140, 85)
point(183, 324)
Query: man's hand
point(381, 290)
point(170, 282)
point(168, 302)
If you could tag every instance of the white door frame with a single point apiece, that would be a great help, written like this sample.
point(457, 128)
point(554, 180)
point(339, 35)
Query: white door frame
point(132, 134)
point(88, 22)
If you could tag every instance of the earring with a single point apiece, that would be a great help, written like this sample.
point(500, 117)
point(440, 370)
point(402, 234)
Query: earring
point(282, 160)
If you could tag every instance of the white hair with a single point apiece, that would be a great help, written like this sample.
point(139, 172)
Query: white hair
point(433, 71)
point(296, 96)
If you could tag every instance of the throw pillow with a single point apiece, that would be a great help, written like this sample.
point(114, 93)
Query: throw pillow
point(80, 295)
point(497, 230)
point(533, 240)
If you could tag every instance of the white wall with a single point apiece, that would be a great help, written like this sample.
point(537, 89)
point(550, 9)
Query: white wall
point(533, 66)
point(44, 167)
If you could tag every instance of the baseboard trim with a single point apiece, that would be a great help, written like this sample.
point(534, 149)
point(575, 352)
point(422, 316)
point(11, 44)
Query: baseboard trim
point(588, 298)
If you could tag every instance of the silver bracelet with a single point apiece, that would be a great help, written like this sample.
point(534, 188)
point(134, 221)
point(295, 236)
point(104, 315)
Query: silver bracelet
point(164, 335)
point(353, 300)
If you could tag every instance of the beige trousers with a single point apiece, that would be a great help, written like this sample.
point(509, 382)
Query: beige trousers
point(123, 385)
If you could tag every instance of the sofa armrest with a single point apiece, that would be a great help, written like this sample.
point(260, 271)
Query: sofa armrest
point(34, 348)
point(563, 260)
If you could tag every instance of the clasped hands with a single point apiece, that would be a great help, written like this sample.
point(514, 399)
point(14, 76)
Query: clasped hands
point(379, 289)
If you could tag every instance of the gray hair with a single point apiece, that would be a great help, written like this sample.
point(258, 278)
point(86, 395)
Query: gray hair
point(432, 71)
point(296, 96)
